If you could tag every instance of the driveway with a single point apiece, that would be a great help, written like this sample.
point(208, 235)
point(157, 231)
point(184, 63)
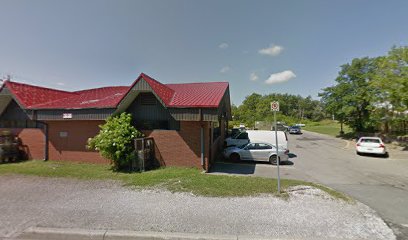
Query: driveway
point(381, 183)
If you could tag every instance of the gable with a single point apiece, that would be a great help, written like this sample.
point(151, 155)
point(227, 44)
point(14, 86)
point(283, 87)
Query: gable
point(14, 112)
point(148, 113)
point(140, 86)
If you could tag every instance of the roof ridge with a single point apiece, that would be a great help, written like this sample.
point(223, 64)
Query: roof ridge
point(172, 92)
point(36, 86)
point(195, 83)
point(150, 78)
point(91, 89)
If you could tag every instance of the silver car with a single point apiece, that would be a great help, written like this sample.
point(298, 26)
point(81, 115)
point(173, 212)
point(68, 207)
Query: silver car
point(256, 152)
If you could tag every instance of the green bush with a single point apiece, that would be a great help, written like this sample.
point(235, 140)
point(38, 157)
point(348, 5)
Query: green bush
point(115, 140)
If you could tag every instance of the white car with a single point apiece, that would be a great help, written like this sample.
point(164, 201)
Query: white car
point(256, 152)
point(372, 145)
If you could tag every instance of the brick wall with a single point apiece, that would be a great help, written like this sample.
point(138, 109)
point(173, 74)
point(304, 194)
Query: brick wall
point(33, 141)
point(181, 148)
point(68, 139)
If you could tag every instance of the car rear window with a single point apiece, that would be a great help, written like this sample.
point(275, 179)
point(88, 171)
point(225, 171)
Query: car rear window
point(367, 140)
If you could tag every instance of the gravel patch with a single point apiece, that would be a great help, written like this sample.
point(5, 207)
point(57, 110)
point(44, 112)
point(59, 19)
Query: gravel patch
point(68, 203)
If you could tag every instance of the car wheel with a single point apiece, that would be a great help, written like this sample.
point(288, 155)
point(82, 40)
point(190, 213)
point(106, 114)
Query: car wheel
point(234, 157)
point(272, 160)
point(386, 155)
point(358, 153)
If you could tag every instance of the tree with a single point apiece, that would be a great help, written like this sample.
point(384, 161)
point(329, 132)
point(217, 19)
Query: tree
point(352, 97)
point(392, 81)
point(115, 140)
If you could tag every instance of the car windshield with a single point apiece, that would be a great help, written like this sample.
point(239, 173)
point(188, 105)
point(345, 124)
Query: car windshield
point(295, 127)
point(235, 133)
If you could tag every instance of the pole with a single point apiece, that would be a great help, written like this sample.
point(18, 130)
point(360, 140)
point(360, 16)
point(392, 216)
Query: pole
point(277, 149)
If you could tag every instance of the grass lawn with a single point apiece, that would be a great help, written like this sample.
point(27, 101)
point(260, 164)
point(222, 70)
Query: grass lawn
point(170, 178)
point(327, 127)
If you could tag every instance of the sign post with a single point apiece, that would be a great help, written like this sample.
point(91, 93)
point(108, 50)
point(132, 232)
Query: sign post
point(275, 108)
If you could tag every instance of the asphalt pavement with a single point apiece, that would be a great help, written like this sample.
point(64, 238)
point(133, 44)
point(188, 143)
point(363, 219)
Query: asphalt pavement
point(381, 183)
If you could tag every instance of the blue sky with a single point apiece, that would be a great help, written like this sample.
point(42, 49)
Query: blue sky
point(291, 47)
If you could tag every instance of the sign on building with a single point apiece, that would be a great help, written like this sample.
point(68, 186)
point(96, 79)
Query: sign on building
point(67, 115)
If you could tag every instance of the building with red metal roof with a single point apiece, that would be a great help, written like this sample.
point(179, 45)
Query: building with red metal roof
point(55, 124)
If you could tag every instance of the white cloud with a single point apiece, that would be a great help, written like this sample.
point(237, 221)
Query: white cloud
point(223, 45)
point(253, 77)
point(280, 77)
point(225, 69)
point(273, 50)
point(61, 84)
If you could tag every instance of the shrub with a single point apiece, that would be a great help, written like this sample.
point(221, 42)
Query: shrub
point(115, 140)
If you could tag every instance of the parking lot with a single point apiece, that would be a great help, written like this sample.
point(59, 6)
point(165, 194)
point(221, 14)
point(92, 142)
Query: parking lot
point(381, 183)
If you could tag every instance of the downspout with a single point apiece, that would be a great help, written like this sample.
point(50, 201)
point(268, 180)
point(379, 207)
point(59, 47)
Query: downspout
point(45, 135)
point(46, 141)
point(202, 140)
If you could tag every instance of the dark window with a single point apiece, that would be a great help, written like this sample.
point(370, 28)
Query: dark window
point(368, 140)
point(264, 146)
point(151, 125)
point(19, 124)
point(251, 146)
point(147, 99)
point(243, 135)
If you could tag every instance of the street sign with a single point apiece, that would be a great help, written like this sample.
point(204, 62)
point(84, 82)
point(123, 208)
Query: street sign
point(275, 106)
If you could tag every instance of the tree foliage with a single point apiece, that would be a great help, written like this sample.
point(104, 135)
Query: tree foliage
point(370, 91)
point(293, 108)
point(115, 140)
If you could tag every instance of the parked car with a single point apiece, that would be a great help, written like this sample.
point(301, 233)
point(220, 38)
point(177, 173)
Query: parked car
point(295, 130)
point(233, 132)
point(257, 136)
point(256, 152)
point(372, 145)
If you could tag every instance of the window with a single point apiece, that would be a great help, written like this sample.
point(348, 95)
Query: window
point(251, 146)
point(368, 140)
point(151, 125)
point(243, 135)
point(264, 146)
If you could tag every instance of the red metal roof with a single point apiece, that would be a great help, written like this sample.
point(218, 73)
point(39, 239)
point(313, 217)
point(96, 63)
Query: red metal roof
point(28, 95)
point(185, 95)
point(202, 95)
point(106, 97)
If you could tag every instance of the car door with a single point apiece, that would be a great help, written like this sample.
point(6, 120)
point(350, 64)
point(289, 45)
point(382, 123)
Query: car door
point(263, 152)
point(248, 152)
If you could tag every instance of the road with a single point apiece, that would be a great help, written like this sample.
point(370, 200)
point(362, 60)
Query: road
point(381, 183)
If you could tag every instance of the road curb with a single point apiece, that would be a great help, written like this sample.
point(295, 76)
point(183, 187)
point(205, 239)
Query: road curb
point(37, 233)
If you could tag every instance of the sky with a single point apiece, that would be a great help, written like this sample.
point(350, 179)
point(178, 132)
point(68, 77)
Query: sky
point(293, 47)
